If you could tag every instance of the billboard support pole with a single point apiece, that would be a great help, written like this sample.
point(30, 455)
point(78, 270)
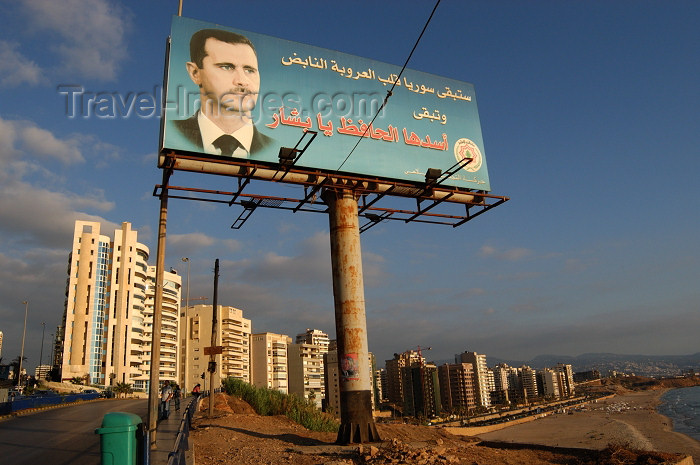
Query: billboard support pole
point(214, 333)
point(356, 420)
point(157, 312)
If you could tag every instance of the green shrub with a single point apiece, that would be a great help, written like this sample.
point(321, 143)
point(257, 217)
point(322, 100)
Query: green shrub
point(272, 402)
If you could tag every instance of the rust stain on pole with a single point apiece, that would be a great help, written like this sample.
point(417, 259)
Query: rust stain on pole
point(356, 421)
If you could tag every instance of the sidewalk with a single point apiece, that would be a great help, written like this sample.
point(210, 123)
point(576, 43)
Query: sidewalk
point(167, 433)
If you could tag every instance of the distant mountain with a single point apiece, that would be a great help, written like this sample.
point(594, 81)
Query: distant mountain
point(643, 365)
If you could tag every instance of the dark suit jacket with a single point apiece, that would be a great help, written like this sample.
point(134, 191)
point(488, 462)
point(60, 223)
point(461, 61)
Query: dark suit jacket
point(190, 129)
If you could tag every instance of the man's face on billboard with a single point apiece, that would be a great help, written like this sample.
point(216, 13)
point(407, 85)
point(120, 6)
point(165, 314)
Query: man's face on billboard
point(228, 79)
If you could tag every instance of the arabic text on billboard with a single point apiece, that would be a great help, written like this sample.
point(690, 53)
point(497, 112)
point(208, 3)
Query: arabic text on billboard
point(232, 93)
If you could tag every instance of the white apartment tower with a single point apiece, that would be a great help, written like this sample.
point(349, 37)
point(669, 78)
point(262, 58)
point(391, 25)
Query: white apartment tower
point(106, 323)
point(529, 382)
point(233, 336)
point(169, 328)
point(550, 383)
point(482, 386)
point(316, 337)
point(566, 379)
point(268, 361)
point(305, 362)
point(92, 299)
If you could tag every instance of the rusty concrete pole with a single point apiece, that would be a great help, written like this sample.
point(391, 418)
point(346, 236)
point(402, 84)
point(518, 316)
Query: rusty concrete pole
point(157, 315)
point(356, 421)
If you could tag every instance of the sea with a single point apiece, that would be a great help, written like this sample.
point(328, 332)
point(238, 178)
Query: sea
point(682, 406)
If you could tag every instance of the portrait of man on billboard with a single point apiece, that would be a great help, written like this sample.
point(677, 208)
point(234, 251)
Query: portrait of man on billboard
point(224, 65)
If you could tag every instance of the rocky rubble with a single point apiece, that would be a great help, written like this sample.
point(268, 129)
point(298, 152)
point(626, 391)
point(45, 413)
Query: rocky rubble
point(395, 451)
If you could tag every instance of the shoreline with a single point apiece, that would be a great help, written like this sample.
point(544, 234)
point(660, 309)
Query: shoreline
point(628, 419)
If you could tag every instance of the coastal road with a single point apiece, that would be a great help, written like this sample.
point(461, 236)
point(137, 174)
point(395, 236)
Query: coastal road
point(61, 436)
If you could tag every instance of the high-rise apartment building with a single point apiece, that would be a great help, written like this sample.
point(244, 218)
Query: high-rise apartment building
point(516, 392)
point(378, 386)
point(169, 328)
point(106, 333)
point(316, 337)
point(394, 383)
point(566, 380)
point(233, 336)
point(331, 382)
point(457, 391)
point(529, 383)
point(305, 362)
point(481, 376)
point(42, 371)
point(268, 361)
point(87, 304)
point(383, 396)
point(548, 383)
point(421, 391)
point(499, 393)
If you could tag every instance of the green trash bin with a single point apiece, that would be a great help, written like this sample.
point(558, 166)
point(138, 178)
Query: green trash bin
point(118, 438)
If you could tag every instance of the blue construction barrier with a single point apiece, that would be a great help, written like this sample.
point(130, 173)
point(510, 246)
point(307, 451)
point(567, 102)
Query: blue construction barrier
point(31, 402)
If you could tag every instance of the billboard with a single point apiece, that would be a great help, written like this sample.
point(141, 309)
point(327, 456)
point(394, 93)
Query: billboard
point(233, 93)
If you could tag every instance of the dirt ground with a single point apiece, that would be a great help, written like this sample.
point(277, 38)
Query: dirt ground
point(237, 435)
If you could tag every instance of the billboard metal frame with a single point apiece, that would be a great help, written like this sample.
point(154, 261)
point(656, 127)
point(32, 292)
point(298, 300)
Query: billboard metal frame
point(371, 191)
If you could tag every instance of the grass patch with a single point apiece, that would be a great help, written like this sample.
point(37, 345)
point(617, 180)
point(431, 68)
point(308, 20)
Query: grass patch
point(272, 402)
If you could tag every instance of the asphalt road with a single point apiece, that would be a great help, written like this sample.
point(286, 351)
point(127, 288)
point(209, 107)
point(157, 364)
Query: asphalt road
point(61, 436)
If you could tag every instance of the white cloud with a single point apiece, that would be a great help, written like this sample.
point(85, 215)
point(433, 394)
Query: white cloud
point(43, 143)
point(511, 255)
point(191, 241)
point(36, 215)
point(16, 69)
point(21, 137)
point(8, 136)
point(92, 34)
point(309, 265)
point(188, 245)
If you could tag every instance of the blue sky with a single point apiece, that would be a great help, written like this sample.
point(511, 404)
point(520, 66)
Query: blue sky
point(590, 115)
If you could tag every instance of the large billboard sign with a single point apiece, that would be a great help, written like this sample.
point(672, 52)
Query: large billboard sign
point(232, 93)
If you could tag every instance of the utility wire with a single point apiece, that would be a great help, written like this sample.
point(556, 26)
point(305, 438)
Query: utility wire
point(390, 92)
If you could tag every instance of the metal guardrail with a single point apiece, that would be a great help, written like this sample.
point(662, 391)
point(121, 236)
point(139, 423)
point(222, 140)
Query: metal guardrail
point(182, 442)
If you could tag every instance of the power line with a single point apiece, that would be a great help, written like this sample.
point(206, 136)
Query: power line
point(390, 92)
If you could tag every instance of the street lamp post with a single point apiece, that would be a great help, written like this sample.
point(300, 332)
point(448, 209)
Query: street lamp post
point(185, 366)
point(24, 333)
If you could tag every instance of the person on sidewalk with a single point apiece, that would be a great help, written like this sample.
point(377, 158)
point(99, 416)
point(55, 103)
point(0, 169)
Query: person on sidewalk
point(176, 395)
point(166, 393)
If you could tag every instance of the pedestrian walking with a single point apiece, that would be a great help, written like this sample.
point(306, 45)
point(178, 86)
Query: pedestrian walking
point(166, 393)
point(176, 395)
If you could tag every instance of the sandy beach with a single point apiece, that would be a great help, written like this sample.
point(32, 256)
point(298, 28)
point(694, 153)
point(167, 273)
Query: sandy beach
point(628, 419)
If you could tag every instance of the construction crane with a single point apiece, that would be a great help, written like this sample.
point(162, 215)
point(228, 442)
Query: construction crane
point(419, 350)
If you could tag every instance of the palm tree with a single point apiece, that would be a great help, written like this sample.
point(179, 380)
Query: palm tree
point(123, 388)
